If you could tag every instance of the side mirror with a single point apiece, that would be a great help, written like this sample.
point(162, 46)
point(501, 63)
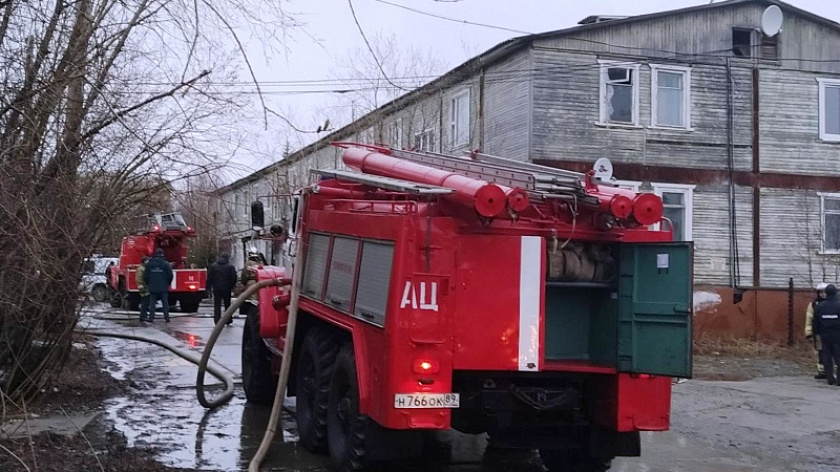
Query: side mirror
point(257, 216)
point(295, 211)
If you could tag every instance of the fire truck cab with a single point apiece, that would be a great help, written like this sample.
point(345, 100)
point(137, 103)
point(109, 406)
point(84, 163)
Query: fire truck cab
point(555, 321)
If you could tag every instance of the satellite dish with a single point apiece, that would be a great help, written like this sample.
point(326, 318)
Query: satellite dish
point(771, 20)
point(603, 169)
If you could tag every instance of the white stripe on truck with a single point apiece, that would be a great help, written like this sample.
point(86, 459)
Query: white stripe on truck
point(530, 282)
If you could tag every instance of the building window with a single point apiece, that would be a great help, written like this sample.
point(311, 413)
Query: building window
point(671, 96)
point(770, 47)
point(742, 42)
point(830, 207)
point(459, 119)
point(395, 138)
point(424, 140)
point(619, 93)
point(677, 203)
point(829, 109)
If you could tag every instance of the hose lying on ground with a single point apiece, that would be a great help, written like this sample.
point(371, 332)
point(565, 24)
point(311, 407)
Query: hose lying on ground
point(203, 366)
point(180, 352)
point(208, 348)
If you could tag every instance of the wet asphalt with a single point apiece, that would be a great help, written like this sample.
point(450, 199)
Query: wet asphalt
point(771, 424)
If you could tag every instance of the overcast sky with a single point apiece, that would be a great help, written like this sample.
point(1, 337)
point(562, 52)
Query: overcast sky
point(330, 34)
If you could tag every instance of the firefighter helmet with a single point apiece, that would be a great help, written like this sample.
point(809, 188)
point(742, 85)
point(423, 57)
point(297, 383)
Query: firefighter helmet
point(253, 254)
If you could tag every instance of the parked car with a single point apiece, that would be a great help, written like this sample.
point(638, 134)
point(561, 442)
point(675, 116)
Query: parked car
point(93, 277)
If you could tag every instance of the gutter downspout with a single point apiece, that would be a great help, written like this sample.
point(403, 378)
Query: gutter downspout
point(730, 151)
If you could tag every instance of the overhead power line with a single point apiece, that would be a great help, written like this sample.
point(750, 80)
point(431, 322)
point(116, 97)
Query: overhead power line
point(454, 20)
point(370, 48)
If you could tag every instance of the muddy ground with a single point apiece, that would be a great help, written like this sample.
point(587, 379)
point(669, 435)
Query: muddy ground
point(747, 409)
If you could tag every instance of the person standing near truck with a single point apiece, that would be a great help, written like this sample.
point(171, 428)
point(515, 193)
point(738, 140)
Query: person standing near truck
point(827, 326)
point(221, 278)
point(809, 327)
point(158, 276)
point(143, 289)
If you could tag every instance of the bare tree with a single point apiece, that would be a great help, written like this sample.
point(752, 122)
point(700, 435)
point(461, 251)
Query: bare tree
point(818, 265)
point(104, 103)
point(380, 75)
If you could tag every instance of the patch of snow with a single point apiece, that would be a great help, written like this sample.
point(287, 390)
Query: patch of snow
point(704, 300)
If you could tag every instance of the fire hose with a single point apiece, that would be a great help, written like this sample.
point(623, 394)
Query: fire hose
point(285, 365)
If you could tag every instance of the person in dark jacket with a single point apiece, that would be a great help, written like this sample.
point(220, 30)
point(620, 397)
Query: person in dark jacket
point(827, 326)
point(221, 278)
point(158, 276)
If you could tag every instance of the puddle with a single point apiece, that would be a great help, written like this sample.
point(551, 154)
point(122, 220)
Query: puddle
point(188, 436)
point(192, 339)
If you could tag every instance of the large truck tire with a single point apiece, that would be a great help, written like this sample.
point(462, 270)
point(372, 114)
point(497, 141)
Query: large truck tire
point(99, 293)
point(189, 303)
point(116, 300)
point(572, 460)
point(133, 301)
point(314, 371)
point(258, 380)
point(346, 427)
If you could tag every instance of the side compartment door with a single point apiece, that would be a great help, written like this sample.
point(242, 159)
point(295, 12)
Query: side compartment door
point(655, 300)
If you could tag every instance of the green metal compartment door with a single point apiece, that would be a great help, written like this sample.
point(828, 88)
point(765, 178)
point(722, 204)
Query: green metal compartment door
point(655, 296)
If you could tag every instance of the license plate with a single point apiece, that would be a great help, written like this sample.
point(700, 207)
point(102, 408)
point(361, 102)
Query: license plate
point(427, 400)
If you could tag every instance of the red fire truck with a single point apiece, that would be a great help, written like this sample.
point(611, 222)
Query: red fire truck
point(544, 307)
point(167, 231)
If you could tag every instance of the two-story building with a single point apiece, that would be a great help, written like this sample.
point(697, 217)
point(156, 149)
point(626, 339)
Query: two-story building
point(738, 131)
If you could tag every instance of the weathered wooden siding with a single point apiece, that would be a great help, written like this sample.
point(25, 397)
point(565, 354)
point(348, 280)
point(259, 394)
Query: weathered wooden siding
point(791, 240)
point(789, 125)
point(809, 46)
point(711, 235)
point(707, 36)
point(566, 114)
point(701, 33)
point(507, 110)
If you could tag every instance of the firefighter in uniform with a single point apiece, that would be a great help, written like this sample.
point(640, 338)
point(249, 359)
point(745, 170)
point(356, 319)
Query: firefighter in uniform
point(809, 327)
point(827, 326)
point(143, 289)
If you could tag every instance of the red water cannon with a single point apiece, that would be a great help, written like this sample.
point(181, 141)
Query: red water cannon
point(645, 208)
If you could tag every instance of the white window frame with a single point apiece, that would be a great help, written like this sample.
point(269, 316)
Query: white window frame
point(420, 136)
point(823, 196)
point(662, 187)
point(824, 135)
point(396, 135)
point(654, 95)
point(602, 97)
point(453, 119)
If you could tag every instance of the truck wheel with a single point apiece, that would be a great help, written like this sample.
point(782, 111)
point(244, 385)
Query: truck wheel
point(133, 302)
point(189, 305)
point(315, 367)
point(116, 300)
point(99, 293)
point(572, 460)
point(258, 381)
point(346, 427)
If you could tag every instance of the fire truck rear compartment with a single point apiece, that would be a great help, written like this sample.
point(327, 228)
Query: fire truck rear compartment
point(635, 320)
